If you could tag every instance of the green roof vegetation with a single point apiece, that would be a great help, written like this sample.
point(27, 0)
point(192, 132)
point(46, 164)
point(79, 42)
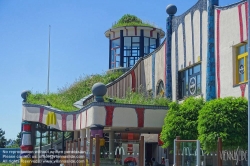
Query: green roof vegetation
point(131, 20)
point(67, 96)
point(142, 98)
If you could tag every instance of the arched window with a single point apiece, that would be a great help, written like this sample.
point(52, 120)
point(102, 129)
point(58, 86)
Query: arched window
point(160, 91)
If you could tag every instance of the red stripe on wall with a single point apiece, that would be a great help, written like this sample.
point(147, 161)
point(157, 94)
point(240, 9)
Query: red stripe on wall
point(133, 80)
point(242, 88)
point(240, 22)
point(41, 115)
point(246, 15)
point(74, 121)
point(135, 31)
point(109, 115)
point(140, 116)
point(64, 117)
point(151, 32)
point(218, 53)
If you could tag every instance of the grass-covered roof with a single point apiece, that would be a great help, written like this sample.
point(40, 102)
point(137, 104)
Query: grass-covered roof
point(67, 96)
point(131, 20)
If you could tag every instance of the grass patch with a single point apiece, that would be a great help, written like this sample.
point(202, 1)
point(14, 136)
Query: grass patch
point(68, 95)
point(9, 164)
point(142, 98)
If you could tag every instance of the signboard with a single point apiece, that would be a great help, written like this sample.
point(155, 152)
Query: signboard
point(241, 69)
point(192, 85)
point(8, 155)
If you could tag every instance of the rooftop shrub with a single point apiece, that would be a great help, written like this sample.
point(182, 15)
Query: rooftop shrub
point(131, 20)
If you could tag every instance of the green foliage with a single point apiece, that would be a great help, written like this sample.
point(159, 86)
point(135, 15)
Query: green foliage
point(9, 164)
point(181, 120)
point(130, 20)
point(142, 98)
point(66, 96)
point(2, 139)
point(17, 142)
point(225, 118)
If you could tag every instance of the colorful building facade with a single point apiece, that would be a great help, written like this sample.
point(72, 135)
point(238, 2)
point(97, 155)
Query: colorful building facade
point(204, 54)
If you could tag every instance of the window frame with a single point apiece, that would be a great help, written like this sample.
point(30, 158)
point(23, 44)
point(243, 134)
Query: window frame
point(184, 90)
point(243, 56)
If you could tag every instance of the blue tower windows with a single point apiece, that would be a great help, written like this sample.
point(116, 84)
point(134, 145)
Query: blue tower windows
point(125, 51)
point(131, 50)
point(149, 45)
point(115, 53)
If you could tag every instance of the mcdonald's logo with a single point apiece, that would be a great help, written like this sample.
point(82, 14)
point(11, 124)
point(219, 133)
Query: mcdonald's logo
point(51, 119)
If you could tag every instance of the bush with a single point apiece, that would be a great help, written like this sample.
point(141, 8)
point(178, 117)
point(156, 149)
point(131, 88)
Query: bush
point(225, 118)
point(130, 20)
point(181, 120)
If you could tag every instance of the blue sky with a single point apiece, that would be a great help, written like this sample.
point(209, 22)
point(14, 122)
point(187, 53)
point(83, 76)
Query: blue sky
point(78, 44)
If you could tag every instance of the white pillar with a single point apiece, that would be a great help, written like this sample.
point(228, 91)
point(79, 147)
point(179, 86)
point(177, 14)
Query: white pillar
point(111, 144)
point(88, 133)
point(76, 135)
point(82, 135)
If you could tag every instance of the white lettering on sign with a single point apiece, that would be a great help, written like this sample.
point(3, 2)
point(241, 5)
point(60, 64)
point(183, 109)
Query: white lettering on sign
point(237, 155)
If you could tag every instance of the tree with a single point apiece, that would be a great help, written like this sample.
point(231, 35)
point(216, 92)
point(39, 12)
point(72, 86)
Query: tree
point(2, 139)
point(225, 118)
point(18, 139)
point(181, 120)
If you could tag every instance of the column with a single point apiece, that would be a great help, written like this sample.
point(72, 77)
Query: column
point(171, 10)
point(210, 75)
point(111, 144)
point(76, 135)
point(82, 135)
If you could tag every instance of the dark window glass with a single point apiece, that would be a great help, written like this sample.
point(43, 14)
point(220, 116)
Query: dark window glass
point(190, 81)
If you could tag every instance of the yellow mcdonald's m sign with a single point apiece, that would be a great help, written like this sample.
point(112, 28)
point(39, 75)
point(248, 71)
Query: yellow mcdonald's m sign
point(51, 118)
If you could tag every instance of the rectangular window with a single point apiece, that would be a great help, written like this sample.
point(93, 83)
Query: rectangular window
point(146, 45)
point(190, 81)
point(241, 64)
point(115, 53)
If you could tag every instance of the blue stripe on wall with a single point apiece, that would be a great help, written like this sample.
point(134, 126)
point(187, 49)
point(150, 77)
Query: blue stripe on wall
point(168, 86)
point(176, 65)
point(210, 75)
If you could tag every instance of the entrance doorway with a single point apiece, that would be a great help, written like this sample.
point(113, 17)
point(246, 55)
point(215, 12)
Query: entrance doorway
point(148, 152)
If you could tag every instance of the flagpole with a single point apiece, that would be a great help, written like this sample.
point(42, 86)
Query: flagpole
point(48, 63)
